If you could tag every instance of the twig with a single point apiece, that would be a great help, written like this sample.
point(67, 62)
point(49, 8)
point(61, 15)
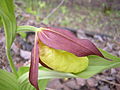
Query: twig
point(113, 83)
point(55, 9)
point(49, 89)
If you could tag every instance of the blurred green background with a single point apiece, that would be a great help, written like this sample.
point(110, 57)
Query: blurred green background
point(92, 15)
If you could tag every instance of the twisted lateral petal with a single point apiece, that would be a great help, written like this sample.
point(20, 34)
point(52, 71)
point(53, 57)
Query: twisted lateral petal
point(65, 40)
point(33, 74)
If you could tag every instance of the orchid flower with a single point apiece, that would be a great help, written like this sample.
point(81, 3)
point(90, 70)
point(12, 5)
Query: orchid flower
point(59, 50)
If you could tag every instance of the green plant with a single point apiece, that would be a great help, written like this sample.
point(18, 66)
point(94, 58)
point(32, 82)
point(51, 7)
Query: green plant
point(42, 4)
point(18, 80)
point(65, 21)
point(64, 9)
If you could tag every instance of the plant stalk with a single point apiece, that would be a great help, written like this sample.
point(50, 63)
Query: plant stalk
point(11, 62)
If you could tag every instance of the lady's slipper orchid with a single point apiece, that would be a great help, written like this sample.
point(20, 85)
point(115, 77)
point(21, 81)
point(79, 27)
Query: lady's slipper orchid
point(60, 50)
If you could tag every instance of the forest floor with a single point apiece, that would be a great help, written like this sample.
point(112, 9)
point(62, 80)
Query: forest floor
point(102, 30)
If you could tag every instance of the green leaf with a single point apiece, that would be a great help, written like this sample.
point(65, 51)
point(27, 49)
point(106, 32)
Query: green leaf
point(8, 81)
point(25, 69)
point(44, 76)
point(0, 22)
point(43, 83)
point(96, 65)
point(25, 84)
point(26, 29)
point(9, 20)
point(22, 70)
point(23, 35)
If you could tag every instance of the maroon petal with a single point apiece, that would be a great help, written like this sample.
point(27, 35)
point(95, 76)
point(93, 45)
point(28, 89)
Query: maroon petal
point(33, 74)
point(65, 40)
point(43, 64)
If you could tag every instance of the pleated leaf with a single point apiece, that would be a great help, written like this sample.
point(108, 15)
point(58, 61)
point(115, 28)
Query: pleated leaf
point(96, 65)
point(8, 81)
point(9, 21)
point(25, 84)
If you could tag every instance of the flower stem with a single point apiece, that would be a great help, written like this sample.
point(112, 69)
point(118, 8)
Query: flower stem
point(11, 62)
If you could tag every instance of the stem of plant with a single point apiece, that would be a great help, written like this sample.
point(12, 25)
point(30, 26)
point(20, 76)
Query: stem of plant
point(11, 62)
